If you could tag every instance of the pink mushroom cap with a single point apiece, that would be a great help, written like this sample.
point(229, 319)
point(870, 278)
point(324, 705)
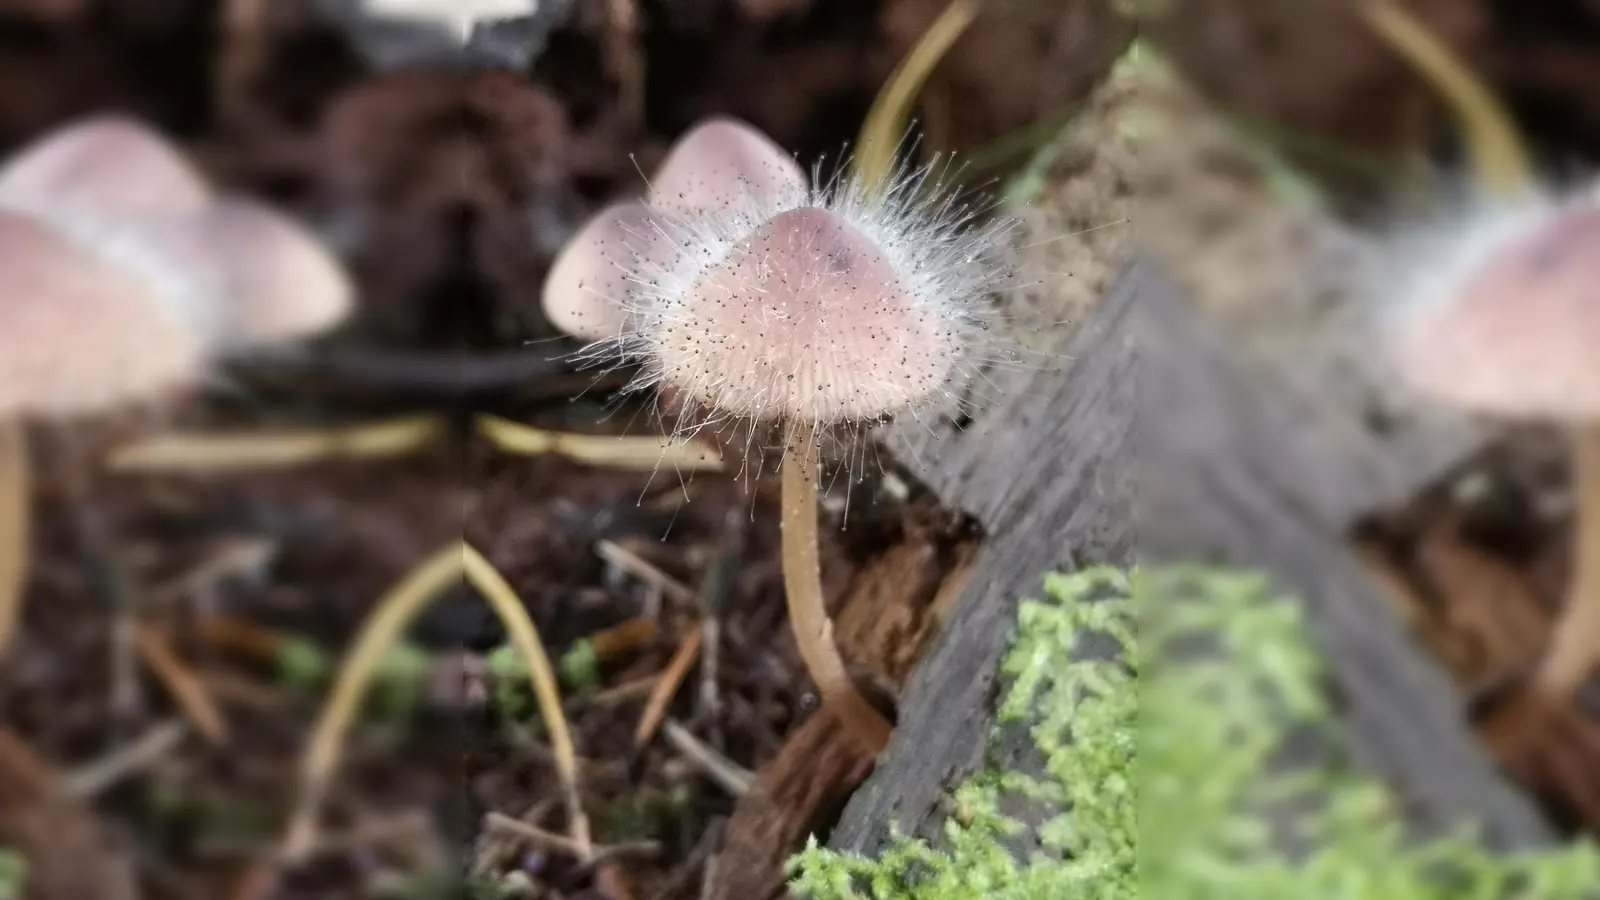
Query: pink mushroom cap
point(79, 335)
point(805, 320)
point(719, 163)
point(585, 291)
point(279, 283)
point(109, 165)
point(724, 161)
point(1518, 334)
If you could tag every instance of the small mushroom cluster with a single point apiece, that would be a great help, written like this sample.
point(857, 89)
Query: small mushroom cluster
point(741, 287)
point(751, 295)
point(1509, 326)
point(122, 277)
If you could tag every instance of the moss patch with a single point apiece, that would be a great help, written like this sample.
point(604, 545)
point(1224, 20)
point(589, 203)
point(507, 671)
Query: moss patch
point(1198, 717)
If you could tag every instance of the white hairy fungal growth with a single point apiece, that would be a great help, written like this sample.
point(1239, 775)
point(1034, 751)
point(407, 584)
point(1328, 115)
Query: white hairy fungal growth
point(759, 295)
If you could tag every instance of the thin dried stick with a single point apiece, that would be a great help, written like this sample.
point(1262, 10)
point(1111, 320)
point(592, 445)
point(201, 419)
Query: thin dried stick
point(733, 778)
point(96, 777)
point(645, 454)
point(525, 638)
point(279, 450)
point(642, 569)
point(14, 539)
point(549, 840)
point(394, 611)
point(235, 558)
point(186, 688)
point(666, 686)
point(1498, 157)
point(802, 581)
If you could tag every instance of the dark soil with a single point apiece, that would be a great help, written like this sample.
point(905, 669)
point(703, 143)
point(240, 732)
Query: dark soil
point(448, 187)
point(1346, 106)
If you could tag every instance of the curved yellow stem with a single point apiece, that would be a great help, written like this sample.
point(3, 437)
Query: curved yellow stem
point(389, 619)
point(395, 610)
point(1499, 159)
point(887, 118)
point(525, 638)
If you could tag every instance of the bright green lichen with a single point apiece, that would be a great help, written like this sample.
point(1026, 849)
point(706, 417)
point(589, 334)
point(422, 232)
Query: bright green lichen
point(1226, 677)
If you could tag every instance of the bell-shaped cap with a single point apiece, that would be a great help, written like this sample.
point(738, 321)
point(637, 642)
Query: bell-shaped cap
point(724, 162)
point(586, 290)
point(78, 334)
point(106, 165)
point(281, 283)
point(806, 320)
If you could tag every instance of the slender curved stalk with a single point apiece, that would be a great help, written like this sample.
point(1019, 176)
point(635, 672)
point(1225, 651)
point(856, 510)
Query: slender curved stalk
point(887, 117)
point(525, 638)
point(394, 612)
point(1576, 644)
point(1499, 160)
point(802, 582)
point(13, 528)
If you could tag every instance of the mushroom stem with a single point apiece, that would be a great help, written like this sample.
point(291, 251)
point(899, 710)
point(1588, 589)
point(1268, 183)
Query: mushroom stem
point(1577, 636)
point(802, 581)
point(13, 527)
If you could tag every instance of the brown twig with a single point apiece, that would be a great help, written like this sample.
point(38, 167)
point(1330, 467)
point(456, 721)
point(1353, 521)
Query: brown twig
point(247, 639)
point(186, 688)
point(623, 636)
point(666, 686)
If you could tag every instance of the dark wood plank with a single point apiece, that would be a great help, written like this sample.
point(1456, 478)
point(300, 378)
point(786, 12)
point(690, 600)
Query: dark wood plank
point(1048, 471)
point(1234, 469)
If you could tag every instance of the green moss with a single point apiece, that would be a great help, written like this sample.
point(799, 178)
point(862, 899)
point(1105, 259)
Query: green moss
point(13, 874)
point(1197, 718)
point(1082, 719)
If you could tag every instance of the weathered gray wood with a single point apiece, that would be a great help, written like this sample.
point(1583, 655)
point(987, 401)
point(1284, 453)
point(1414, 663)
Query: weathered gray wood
point(1050, 471)
point(1234, 469)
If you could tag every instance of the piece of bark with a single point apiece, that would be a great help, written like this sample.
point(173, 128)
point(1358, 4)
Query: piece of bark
point(60, 840)
point(1235, 469)
point(886, 617)
point(1048, 471)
